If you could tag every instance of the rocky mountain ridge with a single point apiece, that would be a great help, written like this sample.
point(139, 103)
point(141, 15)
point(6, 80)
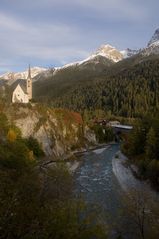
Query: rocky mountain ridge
point(106, 53)
point(104, 56)
point(13, 76)
point(154, 39)
point(152, 47)
point(129, 53)
point(109, 52)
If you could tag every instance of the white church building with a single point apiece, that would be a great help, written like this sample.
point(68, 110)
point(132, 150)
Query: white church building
point(22, 90)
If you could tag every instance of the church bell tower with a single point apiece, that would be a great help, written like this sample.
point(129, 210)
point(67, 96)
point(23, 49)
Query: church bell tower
point(29, 84)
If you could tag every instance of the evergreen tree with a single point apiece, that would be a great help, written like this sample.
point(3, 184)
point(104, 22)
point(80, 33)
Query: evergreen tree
point(151, 144)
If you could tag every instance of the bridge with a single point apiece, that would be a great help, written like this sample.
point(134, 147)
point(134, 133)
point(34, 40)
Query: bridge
point(120, 128)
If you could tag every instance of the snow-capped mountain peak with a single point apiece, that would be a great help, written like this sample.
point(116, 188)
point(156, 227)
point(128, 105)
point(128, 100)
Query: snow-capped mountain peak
point(152, 46)
point(155, 39)
point(105, 54)
point(12, 76)
point(109, 52)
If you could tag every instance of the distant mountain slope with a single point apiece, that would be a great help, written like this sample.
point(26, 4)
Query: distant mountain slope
point(103, 55)
point(109, 52)
point(152, 46)
point(106, 51)
point(132, 91)
point(59, 82)
point(129, 52)
point(64, 80)
point(106, 61)
point(154, 39)
point(10, 77)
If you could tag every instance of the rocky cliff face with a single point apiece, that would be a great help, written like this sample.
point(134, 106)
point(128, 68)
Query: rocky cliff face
point(58, 131)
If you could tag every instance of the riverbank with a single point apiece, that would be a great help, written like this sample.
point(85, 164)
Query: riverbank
point(79, 153)
point(76, 161)
point(126, 178)
point(73, 159)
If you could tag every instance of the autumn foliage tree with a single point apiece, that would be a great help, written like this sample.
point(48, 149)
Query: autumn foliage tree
point(36, 201)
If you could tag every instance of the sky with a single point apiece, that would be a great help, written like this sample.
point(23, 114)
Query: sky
point(49, 33)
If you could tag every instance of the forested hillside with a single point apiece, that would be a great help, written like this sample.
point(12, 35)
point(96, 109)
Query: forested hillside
point(129, 88)
point(57, 84)
point(141, 146)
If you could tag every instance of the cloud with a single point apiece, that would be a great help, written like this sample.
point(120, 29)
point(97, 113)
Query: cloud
point(7, 22)
point(42, 41)
point(116, 9)
point(129, 10)
point(59, 31)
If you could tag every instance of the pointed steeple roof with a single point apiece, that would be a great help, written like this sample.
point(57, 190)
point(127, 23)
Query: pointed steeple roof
point(29, 72)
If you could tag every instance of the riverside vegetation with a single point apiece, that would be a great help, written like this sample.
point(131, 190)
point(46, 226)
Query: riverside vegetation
point(141, 146)
point(35, 202)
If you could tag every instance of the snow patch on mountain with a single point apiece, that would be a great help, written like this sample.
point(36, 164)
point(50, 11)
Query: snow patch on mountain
point(12, 76)
point(107, 51)
point(152, 46)
point(129, 53)
point(154, 39)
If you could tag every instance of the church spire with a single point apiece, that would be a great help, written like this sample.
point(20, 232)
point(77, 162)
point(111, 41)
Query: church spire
point(29, 84)
point(29, 72)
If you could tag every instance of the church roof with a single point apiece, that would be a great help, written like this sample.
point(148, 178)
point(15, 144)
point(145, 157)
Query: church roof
point(22, 84)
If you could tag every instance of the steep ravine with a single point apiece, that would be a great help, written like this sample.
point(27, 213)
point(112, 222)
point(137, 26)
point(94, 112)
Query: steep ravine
point(59, 131)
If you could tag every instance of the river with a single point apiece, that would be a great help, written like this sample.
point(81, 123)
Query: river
point(96, 182)
point(101, 180)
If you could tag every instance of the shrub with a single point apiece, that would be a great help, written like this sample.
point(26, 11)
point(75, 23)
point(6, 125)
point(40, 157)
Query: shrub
point(11, 136)
point(34, 146)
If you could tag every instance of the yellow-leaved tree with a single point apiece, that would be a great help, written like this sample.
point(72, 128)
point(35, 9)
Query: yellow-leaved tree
point(11, 136)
